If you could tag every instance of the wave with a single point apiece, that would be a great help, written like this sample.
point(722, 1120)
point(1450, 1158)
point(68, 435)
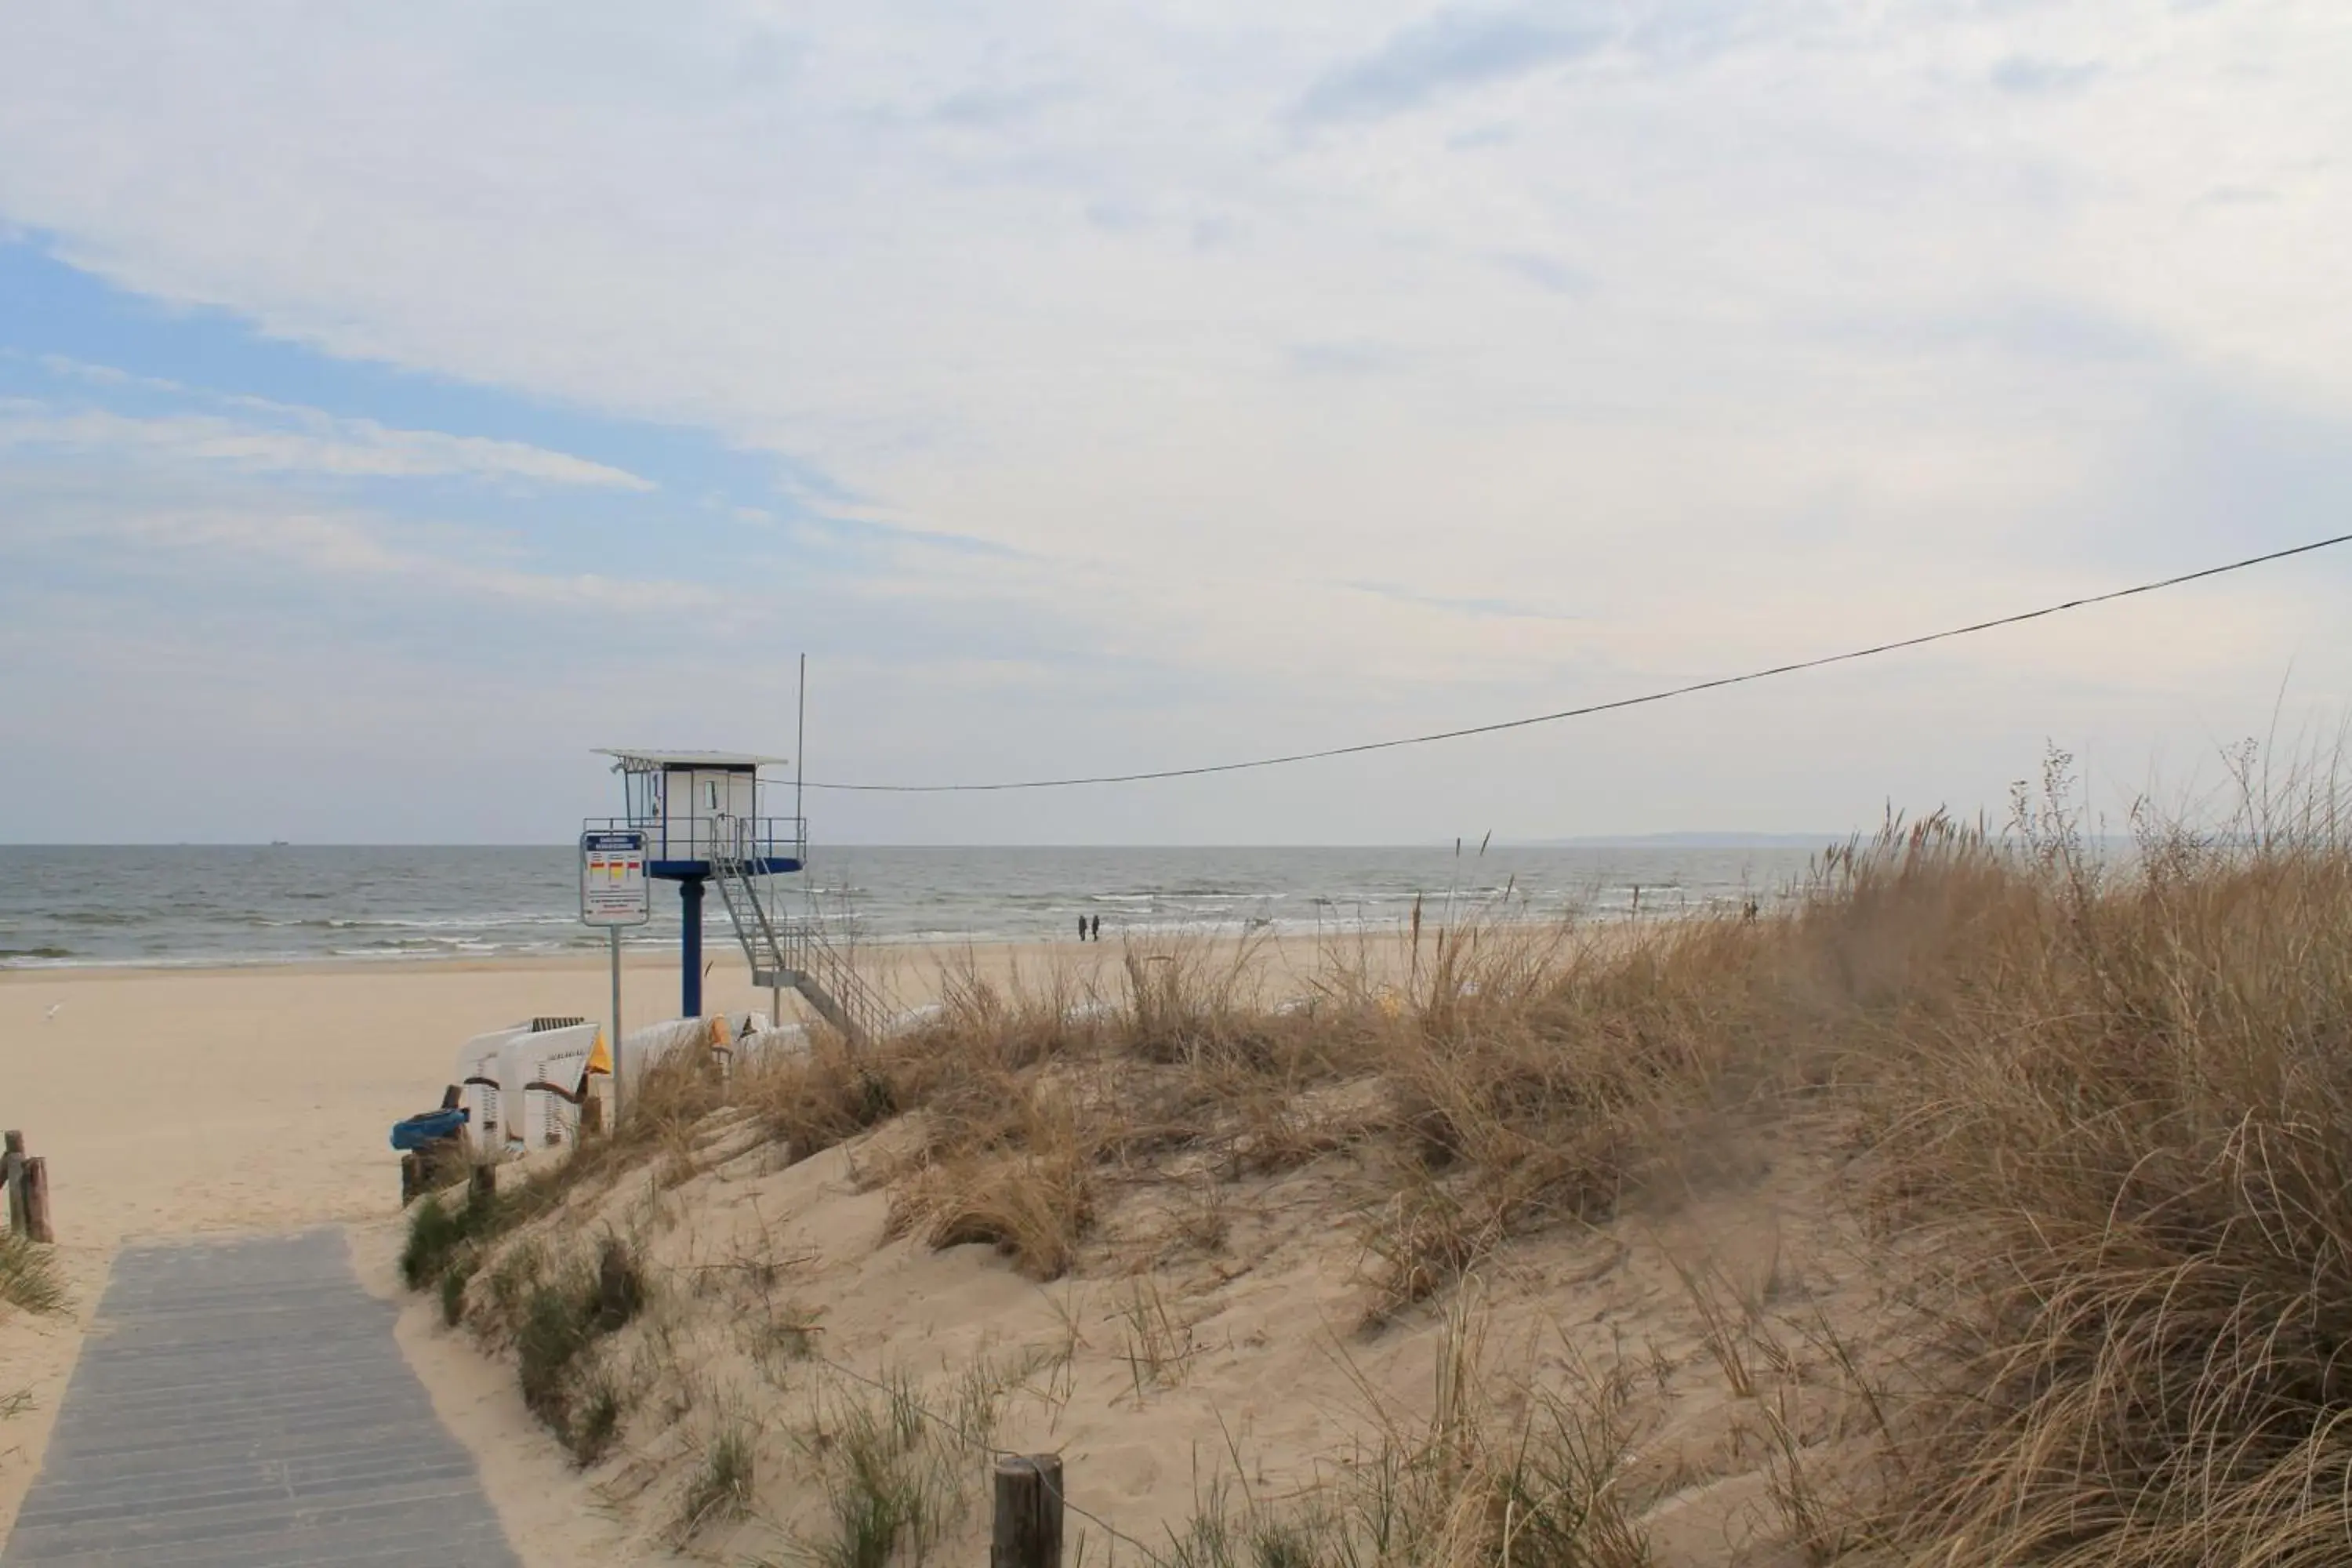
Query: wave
point(165, 961)
point(443, 922)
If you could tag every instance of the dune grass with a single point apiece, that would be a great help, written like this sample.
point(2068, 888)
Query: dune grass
point(28, 1283)
point(2096, 1108)
point(28, 1275)
point(721, 1486)
point(2123, 1108)
point(1544, 1481)
point(2104, 1108)
point(554, 1317)
point(551, 1311)
point(1518, 1077)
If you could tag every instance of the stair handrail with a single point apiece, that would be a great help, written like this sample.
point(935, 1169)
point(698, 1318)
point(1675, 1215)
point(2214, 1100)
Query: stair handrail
point(798, 947)
point(731, 866)
point(862, 999)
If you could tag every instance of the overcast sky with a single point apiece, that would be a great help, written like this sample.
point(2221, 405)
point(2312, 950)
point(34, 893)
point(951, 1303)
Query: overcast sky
point(397, 401)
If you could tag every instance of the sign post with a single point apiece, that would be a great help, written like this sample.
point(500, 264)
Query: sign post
point(613, 893)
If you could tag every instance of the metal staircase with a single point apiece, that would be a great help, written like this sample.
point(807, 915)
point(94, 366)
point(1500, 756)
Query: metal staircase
point(794, 953)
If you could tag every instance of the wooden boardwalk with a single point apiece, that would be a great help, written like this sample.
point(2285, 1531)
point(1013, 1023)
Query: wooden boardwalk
point(244, 1403)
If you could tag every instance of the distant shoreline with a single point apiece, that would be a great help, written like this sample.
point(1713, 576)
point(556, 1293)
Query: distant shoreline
point(719, 948)
point(388, 909)
point(1681, 841)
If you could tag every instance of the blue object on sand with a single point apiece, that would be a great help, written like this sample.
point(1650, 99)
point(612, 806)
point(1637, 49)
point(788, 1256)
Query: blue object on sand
point(431, 1127)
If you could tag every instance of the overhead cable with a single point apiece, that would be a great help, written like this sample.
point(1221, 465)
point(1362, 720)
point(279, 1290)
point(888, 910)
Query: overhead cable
point(1589, 708)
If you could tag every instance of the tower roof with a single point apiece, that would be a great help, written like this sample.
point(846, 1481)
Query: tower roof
point(634, 761)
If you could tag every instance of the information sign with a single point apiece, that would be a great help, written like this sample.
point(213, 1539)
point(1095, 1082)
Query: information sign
point(613, 887)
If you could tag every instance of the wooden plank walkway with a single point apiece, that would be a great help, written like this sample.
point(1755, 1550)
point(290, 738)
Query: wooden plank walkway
point(243, 1402)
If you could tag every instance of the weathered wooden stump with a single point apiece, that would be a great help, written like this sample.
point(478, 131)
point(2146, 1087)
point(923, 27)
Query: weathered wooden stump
point(26, 1177)
point(35, 1181)
point(437, 1164)
point(12, 1173)
point(1027, 1530)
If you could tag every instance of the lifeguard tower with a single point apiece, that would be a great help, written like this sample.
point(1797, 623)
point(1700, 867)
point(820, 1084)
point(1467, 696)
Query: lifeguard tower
point(700, 812)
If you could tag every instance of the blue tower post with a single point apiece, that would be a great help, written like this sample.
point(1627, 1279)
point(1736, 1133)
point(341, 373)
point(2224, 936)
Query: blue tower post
point(689, 914)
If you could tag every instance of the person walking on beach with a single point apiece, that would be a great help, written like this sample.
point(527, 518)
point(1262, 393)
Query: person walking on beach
point(1081, 927)
point(1097, 928)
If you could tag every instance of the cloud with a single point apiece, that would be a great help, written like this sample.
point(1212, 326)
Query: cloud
point(272, 437)
point(207, 540)
point(105, 376)
point(1860, 347)
point(1548, 273)
point(1476, 607)
point(993, 108)
point(1451, 51)
point(2029, 78)
point(1346, 361)
point(2023, 327)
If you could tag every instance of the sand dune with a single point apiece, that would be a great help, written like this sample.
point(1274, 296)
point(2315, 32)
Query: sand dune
point(171, 1102)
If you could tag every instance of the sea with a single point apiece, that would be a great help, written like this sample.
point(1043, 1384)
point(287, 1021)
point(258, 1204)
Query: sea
point(217, 905)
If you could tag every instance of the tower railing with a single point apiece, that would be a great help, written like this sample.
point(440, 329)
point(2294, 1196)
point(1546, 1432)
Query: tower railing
point(750, 838)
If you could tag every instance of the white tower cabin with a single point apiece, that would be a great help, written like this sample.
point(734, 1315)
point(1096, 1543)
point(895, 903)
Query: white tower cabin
point(691, 803)
point(702, 815)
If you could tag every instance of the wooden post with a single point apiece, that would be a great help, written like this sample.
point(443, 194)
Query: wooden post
point(1028, 1525)
point(482, 1186)
point(37, 1202)
point(12, 1173)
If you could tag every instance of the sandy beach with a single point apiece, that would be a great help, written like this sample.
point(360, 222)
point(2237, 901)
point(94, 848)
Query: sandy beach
point(175, 1102)
point(171, 1102)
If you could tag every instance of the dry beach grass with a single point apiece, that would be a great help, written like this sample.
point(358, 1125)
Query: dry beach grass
point(29, 1277)
point(31, 1287)
point(1986, 1203)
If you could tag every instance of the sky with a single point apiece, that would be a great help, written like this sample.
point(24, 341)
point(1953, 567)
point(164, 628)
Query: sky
point(398, 402)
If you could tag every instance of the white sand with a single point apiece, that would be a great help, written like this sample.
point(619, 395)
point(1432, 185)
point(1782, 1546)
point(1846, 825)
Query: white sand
point(171, 1102)
point(1267, 1382)
point(174, 1103)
